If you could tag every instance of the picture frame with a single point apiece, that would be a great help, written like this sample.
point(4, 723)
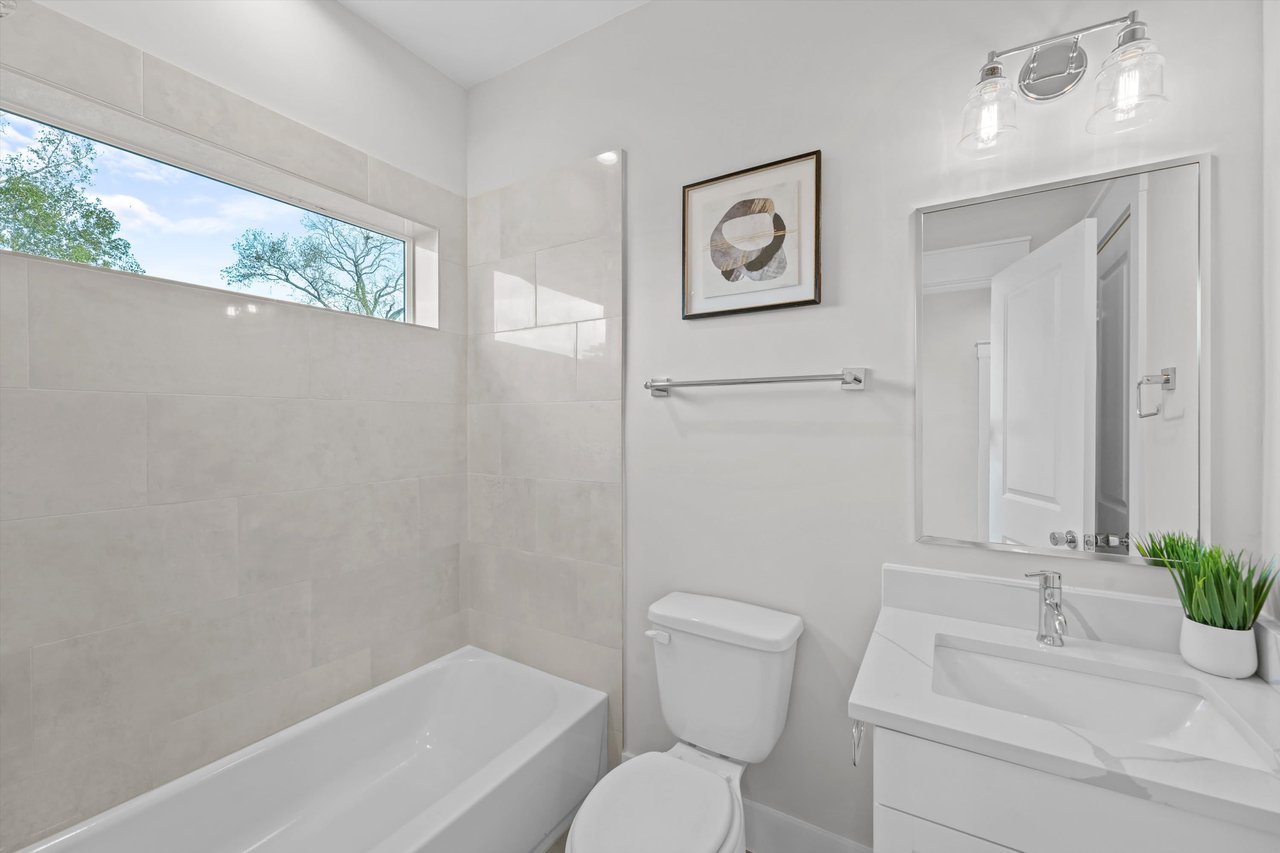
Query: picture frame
point(752, 239)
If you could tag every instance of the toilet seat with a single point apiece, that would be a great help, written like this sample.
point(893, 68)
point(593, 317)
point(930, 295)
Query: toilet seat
point(655, 802)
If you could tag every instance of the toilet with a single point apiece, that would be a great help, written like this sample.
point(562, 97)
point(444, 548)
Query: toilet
point(724, 681)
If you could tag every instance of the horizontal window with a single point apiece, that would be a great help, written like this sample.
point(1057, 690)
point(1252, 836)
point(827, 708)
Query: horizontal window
point(71, 198)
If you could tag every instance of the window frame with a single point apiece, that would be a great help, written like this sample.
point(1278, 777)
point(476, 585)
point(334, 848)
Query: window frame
point(409, 238)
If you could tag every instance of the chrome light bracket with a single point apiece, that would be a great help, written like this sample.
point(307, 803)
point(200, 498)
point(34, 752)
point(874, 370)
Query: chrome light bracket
point(1052, 70)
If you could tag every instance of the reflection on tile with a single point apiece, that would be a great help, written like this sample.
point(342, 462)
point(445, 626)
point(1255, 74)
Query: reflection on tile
point(500, 511)
point(91, 689)
point(563, 441)
point(501, 295)
point(137, 334)
point(71, 451)
point(580, 281)
point(294, 536)
point(68, 575)
point(13, 321)
point(580, 520)
point(524, 365)
point(600, 360)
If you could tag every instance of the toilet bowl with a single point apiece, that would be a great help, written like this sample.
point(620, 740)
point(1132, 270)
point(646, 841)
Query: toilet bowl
point(681, 800)
point(724, 680)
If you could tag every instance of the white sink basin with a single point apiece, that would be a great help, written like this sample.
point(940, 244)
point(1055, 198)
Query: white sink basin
point(1108, 699)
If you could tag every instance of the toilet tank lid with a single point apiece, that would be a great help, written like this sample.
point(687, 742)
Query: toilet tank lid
point(727, 620)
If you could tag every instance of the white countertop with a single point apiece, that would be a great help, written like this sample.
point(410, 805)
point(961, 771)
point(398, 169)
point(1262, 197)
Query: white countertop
point(894, 689)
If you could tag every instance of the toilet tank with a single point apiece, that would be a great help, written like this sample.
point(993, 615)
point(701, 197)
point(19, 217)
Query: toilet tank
point(724, 672)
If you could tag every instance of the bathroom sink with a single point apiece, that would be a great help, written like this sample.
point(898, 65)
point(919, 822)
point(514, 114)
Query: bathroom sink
point(1093, 696)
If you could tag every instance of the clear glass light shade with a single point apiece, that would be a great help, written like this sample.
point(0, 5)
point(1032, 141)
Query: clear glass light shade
point(1130, 89)
point(989, 122)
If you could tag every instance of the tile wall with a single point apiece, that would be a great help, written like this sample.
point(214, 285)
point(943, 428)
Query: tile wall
point(542, 565)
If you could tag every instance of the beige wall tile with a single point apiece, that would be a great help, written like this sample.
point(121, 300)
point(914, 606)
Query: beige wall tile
point(63, 576)
point(525, 365)
point(502, 295)
point(577, 203)
point(425, 203)
point(396, 655)
point(580, 520)
point(294, 536)
point(91, 689)
point(40, 797)
point(580, 281)
point(193, 741)
point(453, 298)
point(568, 441)
point(15, 701)
point(188, 103)
point(484, 439)
point(443, 504)
point(53, 47)
point(368, 440)
point(71, 451)
point(13, 321)
point(500, 511)
point(201, 447)
point(484, 228)
point(368, 606)
point(363, 358)
point(600, 360)
point(141, 334)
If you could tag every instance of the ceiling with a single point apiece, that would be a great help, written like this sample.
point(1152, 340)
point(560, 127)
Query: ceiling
point(473, 40)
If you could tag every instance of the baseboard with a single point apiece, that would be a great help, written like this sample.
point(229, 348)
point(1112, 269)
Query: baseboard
point(772, 831)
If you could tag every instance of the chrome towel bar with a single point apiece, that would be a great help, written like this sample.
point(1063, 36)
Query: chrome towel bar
point(850, 379)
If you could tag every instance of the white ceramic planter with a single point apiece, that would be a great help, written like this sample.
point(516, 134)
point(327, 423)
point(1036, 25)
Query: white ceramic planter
point(1219, 651)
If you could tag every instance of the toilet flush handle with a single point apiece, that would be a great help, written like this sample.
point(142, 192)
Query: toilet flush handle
point(658, 636)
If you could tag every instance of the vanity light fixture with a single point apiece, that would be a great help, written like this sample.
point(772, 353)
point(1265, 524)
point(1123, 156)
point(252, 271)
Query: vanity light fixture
point(1129, 93)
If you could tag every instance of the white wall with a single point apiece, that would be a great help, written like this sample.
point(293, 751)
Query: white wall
point(310, 60)
point(795, 496)
point(1271, 286)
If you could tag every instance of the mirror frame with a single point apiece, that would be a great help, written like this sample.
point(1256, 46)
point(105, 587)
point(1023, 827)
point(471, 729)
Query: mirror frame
point(1204, 398)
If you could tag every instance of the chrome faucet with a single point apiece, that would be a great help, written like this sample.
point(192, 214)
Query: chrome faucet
point(1053, 625)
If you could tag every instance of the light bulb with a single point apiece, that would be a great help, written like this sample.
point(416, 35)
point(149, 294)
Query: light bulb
point(988, 123)
point(1130, 86)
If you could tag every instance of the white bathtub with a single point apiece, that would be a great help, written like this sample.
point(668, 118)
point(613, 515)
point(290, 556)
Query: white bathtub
point(472, 753)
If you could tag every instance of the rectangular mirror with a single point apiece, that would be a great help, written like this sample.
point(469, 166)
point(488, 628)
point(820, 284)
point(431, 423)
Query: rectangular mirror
point(1059, 389)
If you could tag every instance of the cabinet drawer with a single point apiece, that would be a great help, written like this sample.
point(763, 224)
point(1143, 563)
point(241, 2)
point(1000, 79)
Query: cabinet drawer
point(1038, 812)
point(898, 832)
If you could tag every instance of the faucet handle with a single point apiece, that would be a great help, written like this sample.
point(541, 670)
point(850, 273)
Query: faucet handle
point(1051, 580)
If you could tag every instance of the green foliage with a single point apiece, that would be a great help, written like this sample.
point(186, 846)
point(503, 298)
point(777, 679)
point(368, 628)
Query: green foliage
point(1216, 587)
point(335, 265)
point(44, 210)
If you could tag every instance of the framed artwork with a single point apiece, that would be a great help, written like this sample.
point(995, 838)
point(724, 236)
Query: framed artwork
point(751, 239)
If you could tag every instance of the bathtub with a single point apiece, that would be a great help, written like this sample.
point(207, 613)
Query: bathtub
point(472, 753)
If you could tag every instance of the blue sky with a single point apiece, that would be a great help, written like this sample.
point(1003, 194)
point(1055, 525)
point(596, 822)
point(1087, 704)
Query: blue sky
point(181, 225)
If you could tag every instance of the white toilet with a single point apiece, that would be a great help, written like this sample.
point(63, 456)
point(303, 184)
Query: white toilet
point(724, 678)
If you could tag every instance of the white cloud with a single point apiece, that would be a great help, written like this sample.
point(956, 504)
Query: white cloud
point(226, 217)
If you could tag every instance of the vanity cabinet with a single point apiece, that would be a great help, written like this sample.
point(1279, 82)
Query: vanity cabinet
point(934, 798)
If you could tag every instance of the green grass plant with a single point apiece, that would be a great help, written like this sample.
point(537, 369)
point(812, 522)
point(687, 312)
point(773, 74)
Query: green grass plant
point(1220, 588)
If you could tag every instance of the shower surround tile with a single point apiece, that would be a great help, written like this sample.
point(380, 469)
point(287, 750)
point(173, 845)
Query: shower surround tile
point(542, 576)
point(13, 321)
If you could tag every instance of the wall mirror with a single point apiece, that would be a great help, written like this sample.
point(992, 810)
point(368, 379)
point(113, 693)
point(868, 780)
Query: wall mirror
point(1060, 389)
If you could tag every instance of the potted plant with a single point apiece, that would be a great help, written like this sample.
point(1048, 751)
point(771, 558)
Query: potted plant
point(1222, 594)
